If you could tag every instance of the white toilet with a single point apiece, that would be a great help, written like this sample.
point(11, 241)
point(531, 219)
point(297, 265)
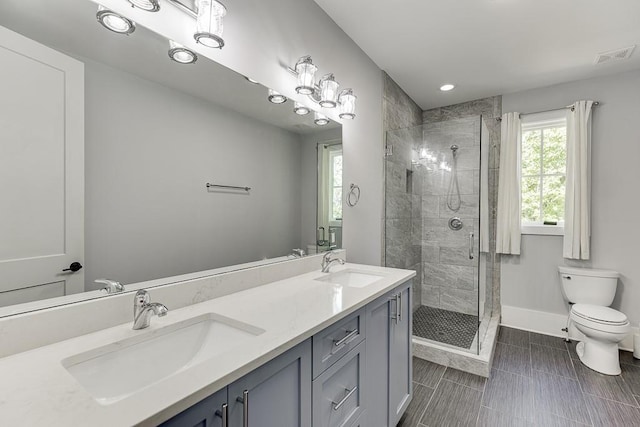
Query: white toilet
point(591, 292)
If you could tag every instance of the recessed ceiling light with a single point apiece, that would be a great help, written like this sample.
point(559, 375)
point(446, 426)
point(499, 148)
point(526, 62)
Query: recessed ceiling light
point(320, 119)
point(447, 87)
point(181, 54)
point(300, 109)
point(276, 98)
point(114, 22)
point(148, 5)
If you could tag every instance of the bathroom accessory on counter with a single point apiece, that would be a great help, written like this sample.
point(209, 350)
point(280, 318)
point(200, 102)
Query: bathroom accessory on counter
point(111, 286)
point(143, 309)
point(229, 187)
point(353, 197)
point(298, 253)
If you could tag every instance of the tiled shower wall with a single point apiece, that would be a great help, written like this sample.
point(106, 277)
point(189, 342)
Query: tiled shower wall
point(402, 190)
point(449, 280)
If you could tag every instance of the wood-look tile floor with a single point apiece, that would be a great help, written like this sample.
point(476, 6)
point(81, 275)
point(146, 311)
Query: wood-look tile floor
point(536, 380)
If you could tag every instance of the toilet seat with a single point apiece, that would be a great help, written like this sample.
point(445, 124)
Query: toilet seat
point(600, 318)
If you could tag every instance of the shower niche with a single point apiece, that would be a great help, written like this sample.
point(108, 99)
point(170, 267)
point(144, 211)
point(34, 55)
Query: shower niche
point(437, 202)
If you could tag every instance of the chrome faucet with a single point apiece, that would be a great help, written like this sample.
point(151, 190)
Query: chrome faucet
point(298, 253)
point(111, 286)
point(327, 261)
point(143, 310)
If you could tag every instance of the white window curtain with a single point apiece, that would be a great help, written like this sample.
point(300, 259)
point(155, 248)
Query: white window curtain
point(577, 198)
point(509, 207)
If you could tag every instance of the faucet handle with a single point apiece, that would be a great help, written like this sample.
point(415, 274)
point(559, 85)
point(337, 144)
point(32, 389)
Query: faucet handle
point(142, 298)
point(111, 286)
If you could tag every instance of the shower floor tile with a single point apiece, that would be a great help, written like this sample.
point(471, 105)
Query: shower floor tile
point(448, 327)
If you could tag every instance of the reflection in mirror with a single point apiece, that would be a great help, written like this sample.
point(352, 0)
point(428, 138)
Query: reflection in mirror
point(107, 148)
point(329, 231)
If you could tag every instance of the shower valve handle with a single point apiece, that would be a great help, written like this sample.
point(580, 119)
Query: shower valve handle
point(471, 245)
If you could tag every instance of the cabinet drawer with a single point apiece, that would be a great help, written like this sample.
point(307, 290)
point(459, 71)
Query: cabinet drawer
point(338, 392)
point(336, 341)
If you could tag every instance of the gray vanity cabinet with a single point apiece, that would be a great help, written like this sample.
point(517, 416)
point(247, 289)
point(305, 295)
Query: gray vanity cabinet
point(206, 413)
point(277, 394)
point(388, 363)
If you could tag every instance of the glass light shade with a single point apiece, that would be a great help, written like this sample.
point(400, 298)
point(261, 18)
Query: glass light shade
point(276, 98)
point(209, 23)
point(181, 54)
point(328, 91)
point(347, 102)
point(306, 75)
point(424, 154)
point(320, 119)
point(114, 22)
point(300, 109)
point(148, 5)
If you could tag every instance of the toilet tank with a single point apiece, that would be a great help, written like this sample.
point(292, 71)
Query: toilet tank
point(588, 286)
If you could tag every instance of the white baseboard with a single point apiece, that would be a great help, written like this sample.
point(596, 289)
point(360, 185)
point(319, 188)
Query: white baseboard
point(547, 323)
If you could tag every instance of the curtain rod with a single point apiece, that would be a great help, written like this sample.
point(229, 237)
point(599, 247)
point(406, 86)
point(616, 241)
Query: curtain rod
point(569, 107)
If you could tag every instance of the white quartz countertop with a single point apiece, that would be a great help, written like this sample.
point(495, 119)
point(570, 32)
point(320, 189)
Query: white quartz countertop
point(35, 388)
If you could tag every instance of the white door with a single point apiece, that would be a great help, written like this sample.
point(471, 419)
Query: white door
point(41, 170)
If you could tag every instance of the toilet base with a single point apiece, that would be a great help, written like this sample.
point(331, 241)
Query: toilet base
point(600, 356)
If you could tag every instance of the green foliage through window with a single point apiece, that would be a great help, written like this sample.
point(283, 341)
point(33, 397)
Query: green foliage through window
point(543, 162)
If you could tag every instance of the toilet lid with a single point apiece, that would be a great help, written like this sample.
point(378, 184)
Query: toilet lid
point(600, 314)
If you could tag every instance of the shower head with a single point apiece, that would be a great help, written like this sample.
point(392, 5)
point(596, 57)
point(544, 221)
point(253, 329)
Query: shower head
point(454, 148)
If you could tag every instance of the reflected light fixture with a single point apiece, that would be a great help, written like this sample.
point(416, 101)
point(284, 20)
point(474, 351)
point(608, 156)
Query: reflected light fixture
point(148, 5)
point(115, 22)
point(209, 23)
point(347, 101)
point(306, 75)
point(447, 87)
point(328, 91)
point(300, 109)
point(276, 98)
point(250, 80)
point(181, 54)
point(320, 119)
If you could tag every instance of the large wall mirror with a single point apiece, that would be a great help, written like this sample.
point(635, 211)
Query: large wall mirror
point(106, 150)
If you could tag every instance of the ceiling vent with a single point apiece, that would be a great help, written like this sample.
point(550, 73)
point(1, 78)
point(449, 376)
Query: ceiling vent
point(614, 55)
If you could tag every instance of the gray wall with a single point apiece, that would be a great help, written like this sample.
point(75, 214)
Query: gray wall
point(402, 222)
point(531, 281)
point(149, 152)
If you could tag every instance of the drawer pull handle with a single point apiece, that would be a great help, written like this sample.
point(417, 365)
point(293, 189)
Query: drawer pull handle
point(350, 334)
point(245, 407)
point(337, 406)
point(224, 414)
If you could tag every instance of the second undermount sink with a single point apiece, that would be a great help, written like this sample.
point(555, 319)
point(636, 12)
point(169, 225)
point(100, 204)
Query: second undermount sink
point(352, 278)
point(120, 369)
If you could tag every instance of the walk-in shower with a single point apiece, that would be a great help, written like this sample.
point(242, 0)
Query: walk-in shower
point(438, 221)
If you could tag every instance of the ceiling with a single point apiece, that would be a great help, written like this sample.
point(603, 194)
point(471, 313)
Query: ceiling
point(58, 24)
point(488, 47)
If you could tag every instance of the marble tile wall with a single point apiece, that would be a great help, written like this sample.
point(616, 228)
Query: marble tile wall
point(449, 278)
point(402, 118)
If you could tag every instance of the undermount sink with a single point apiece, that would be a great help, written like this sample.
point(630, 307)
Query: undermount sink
point(352, 278)
point(120, 369)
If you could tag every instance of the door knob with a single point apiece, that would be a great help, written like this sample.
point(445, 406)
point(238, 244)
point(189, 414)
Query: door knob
point(75, 266)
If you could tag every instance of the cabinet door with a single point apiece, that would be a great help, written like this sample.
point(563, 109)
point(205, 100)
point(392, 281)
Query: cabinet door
point(400, 366)
point(378, 321)
point(277, 394)
point(206, 413)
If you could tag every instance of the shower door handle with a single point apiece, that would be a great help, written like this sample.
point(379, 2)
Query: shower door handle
point(471, 245)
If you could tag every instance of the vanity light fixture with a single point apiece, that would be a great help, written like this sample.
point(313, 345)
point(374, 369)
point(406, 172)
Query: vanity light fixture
point(320, 119)
point(300, 109)
point(148, 5)
point(209, 23)
point(306, 75)
point(326, 91)
point(115, 22)
point(347, 102)
point(181, 54)
point(276, 98)
point(447, 87)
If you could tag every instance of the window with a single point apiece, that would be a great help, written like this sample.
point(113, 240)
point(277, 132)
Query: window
point(335, 173)
point(543, 163)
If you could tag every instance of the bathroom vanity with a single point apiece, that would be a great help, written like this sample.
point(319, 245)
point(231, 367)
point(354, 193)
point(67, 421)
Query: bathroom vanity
point(321, 349)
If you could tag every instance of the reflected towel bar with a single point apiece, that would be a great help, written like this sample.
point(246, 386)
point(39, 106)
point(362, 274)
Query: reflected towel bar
point(231, 187)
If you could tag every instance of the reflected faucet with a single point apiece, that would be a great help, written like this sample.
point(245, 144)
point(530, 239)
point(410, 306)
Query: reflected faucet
point(327, 261)
point(111, 286)
point(298, 253)
point(143, 310)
